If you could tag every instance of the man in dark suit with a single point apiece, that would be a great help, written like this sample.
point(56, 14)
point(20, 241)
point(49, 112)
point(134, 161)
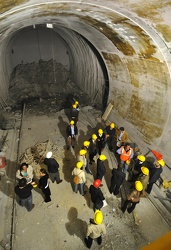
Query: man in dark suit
point(118, 176)
point(71, 132)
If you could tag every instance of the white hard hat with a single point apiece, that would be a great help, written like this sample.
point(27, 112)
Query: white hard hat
point(49, 154)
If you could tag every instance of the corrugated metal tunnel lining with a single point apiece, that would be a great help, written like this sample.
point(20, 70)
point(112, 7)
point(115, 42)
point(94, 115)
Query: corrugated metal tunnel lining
point(132, 59)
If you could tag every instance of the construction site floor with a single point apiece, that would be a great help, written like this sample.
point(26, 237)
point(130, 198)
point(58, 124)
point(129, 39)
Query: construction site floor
point(61, 223)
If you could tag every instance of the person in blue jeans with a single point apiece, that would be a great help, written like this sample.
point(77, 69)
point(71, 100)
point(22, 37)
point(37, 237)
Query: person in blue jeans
point(23, 191)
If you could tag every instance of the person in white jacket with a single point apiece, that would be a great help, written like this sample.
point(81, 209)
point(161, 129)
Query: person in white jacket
point(80, 174)
point(25, 171)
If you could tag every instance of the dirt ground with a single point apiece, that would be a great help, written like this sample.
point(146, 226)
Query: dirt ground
point(61, 223)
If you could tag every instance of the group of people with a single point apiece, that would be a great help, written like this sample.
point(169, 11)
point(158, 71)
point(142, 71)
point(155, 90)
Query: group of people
point(26, 181)
point(142, 175)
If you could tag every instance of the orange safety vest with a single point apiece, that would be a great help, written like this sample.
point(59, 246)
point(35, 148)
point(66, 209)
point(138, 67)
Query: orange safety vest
point(124, 156)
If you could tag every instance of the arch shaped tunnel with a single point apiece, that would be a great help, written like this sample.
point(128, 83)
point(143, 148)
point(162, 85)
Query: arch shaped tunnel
point(112, 55)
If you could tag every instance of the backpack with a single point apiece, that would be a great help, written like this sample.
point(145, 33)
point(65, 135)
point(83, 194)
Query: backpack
point(77, 179)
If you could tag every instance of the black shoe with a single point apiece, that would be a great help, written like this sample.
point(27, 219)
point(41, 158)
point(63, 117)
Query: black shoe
point(59, 181)
point(93, 160)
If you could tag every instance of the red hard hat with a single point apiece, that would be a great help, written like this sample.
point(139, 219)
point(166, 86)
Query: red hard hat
point(96, 183)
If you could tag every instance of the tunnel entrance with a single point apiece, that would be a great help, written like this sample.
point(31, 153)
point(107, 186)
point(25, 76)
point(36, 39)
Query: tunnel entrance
point(51, 63)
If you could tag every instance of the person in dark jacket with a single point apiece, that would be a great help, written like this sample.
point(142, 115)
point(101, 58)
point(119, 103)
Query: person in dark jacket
point(71, 132)
point(75, 112)
point(53, 168)
point(23, 191)
point(133, 198)
point(118, 176)
point(110, 132)
point(92, 148)
point(101, 170)
point(100, 142)
point(44, 185)
point(154, 174)
point(96, 194)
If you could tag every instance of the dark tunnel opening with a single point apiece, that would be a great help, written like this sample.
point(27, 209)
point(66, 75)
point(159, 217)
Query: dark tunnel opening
point(42, 67)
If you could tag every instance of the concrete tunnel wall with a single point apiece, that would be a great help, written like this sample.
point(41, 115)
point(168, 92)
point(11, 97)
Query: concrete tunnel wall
point(134, 55)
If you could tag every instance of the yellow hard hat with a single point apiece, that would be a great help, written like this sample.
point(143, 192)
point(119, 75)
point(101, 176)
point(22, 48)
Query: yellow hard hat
point(102, 157)
point(100, 131)
point(72, 122)
point(98, 217)
point(79, 164)
point(138, 186)
point(82, 152)
point(127, 162)
point(86, 143)
point(34, 184)
point(112, 125)
point(94, 136)
point(161, 162)
point(76, 102)
point(145, 170)
point(74, 106)
point(141, 158)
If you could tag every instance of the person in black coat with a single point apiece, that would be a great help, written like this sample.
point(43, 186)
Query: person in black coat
point(75, 112)
point(101, 170)
point(118, 176)
point(154, 173)
point(71, 132)
point(100, 142)
point(44, 185)
point(110, 132)
point(53, 168)
point(92, 148)
point(96, 194)
point(23, 191)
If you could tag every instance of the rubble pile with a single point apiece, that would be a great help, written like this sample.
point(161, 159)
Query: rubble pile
point(43, 79)
point(35, 155)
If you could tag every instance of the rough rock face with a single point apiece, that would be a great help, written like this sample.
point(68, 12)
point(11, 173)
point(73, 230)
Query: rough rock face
point(45, 79)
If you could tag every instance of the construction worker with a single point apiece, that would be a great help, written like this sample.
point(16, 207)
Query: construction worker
point(118, 176)
point(75, 112)
point(86, 145)
point(154, 174)
point(71, 132)
point(110, 132)
point(126, 153)
point(78, 171)
point(95, 229)
point(133, 198)
point(144, 178)
point(100, 142)
point(122, 137)
point(53, 168)
point(101, 170)
point(136, 170)
point(82, 157)
point(97, 197)
point(92, 148)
